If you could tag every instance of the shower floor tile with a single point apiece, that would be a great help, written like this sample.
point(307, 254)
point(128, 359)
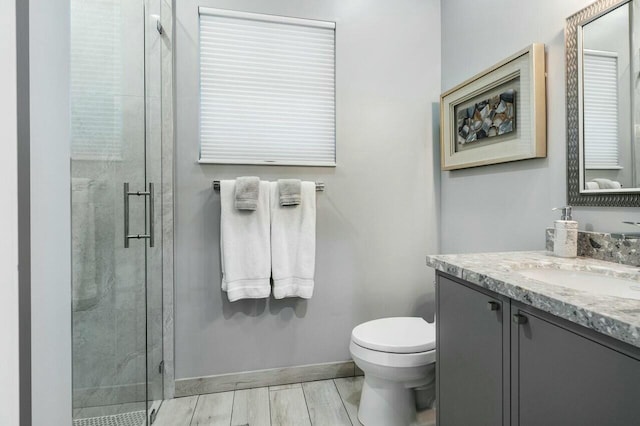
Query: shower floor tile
point(107, 410)
point(321, 402)
point(134, 418)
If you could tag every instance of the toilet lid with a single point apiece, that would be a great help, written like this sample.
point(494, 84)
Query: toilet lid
point(400, 335)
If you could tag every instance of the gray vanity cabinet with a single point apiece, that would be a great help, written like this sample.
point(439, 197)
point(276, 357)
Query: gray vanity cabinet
point(560, 377)
point(500, 362)
point(470, 342)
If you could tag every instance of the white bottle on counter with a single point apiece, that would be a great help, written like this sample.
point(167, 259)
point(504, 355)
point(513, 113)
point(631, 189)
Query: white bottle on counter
point(565, 241)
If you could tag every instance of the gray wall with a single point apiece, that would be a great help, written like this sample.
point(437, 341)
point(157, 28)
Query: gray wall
point(507, 206)
point(9, 322)
point(376, 221)
point(50, 212)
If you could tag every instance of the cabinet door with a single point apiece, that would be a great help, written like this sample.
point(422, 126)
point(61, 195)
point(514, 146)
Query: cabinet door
point(470, 346)
point(562, 378)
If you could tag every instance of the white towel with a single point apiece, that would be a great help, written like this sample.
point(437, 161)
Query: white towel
point(247, 191)
point(592, 185)
point(293, 243)
point(244, 245)
point(607, 183)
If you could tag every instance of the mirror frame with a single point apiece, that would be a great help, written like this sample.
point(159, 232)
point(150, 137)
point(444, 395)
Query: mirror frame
point(572, 30)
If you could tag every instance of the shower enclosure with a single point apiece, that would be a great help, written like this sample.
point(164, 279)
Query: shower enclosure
point(117, 235)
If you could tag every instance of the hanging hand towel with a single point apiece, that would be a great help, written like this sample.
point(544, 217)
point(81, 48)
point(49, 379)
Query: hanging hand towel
point(293, 244)
point(247, 192)
point(244, 245)
point(289, 192)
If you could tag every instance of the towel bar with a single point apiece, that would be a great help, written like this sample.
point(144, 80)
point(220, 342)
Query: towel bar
point(319, 186)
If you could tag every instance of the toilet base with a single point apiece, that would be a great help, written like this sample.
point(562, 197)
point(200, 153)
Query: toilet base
point(385, 403)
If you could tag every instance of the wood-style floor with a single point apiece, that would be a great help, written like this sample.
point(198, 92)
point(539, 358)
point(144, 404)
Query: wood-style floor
point(320, 403)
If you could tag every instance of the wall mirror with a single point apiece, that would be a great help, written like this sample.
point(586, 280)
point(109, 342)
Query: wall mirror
point(603, 104)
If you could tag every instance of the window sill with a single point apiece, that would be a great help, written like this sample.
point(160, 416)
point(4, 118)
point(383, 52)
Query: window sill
point(604, 168)
point(272, 163)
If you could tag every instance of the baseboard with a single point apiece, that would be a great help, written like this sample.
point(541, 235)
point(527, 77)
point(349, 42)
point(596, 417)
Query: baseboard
point(261, 378)
point(358, 371)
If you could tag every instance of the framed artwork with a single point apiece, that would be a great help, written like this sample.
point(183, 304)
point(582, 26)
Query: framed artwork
point(496, 116)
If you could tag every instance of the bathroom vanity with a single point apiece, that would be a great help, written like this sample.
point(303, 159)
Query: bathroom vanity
point(515, 346)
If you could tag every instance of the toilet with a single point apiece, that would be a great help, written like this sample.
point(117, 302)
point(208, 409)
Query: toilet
point(397, 356)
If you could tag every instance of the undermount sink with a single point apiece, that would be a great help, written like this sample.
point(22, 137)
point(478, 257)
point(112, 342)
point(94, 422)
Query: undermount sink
point(586, 281)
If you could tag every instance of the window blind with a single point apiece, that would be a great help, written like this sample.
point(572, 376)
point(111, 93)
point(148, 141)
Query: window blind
point(96, 80)
point(600, 88)
point(267, 89)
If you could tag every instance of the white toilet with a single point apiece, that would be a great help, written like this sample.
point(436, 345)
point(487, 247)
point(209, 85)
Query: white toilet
point(397, 355)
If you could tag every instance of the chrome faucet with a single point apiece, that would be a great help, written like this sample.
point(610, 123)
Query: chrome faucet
point(628, 235)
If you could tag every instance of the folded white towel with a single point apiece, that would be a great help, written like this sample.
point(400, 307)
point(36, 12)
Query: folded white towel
point(289, 191)
point(607, 183)
point(247, 191)
point(592, 185)
point(293, 244)
point(244, 245)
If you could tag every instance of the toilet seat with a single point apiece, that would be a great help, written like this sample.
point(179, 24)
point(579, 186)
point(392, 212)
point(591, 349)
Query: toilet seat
point(389, 359)
point(396, 335)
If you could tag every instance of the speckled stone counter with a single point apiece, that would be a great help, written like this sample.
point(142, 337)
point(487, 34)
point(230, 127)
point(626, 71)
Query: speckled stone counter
point(603, 246)
point(498, 272)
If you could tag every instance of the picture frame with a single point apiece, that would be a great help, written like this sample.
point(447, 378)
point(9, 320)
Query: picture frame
point(498, 115)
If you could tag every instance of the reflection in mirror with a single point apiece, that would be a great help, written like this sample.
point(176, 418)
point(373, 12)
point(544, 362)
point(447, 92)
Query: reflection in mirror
point(607, 102)
point(603, 109)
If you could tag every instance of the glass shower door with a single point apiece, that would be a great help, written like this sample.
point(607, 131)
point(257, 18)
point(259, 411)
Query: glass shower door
point(153, 114)
point(116, 275)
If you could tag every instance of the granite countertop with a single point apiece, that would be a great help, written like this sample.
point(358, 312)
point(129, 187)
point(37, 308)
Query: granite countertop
point(613, 316)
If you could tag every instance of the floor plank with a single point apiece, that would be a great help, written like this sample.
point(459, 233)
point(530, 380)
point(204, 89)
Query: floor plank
point(283, 387)
point(176, 412)
point(213, 409)
point(349, 389)
point(288, 408)
point(321, 403)
point(325, 405)
point(426, 417)
point(251, 408)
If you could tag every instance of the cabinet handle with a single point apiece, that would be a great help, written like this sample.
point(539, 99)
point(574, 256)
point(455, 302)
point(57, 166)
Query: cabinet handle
point(493, 306)
point(519, 319)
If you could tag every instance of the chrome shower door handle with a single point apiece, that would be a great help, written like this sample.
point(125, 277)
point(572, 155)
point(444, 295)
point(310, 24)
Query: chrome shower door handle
point(127, 194)
point(151, 215)
point(126, 215)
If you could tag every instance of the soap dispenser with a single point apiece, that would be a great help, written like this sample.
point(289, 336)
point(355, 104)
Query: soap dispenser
point(565, 242)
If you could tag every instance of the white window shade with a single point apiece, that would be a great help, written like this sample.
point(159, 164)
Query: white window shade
point(267, 89)
point(600, 87)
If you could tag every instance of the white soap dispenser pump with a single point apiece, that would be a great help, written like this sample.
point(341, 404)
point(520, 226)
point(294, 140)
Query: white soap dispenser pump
point(565, 242)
